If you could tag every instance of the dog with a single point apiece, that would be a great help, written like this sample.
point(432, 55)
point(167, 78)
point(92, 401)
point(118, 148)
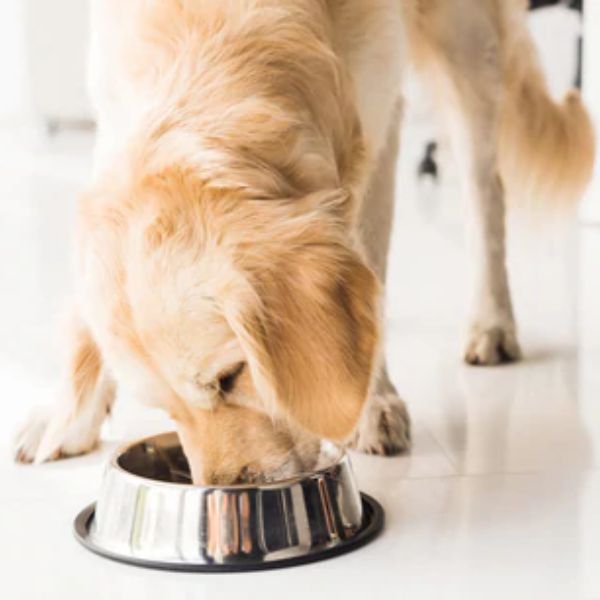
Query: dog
point(232, 246)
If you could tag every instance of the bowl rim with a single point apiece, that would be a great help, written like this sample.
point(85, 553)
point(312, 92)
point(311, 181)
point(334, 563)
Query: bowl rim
point(373, 520)
point(113, 464)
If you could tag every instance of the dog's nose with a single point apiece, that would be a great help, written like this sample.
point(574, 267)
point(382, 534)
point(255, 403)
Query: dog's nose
point(247, 474)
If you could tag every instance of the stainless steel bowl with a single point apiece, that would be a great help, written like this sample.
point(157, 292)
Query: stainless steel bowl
point(148, 513)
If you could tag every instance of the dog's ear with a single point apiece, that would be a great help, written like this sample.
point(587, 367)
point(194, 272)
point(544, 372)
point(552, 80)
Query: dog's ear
point(310, 333)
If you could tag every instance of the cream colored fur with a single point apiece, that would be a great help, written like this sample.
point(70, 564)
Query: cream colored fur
point(546, 148)
point(233, 243)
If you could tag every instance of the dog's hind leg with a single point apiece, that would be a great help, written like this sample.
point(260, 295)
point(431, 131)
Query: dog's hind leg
point(385, 425)
point(477, 83)
point(70, 426)
point(492, 331)
point(459, 53)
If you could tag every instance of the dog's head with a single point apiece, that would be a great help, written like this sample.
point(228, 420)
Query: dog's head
point(252, 321)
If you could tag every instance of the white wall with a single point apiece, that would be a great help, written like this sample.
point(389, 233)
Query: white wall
point(555, 30)
point(43, 47)
point(15, 95)
point(57, 37)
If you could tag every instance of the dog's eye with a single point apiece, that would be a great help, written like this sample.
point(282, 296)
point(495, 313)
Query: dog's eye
point(227, 380)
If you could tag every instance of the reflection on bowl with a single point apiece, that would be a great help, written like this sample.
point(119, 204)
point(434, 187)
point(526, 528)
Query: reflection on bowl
point(149, 513)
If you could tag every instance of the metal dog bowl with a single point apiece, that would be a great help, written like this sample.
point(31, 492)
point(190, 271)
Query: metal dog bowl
point(149, 514)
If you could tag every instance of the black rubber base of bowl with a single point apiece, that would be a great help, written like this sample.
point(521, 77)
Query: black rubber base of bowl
point(373, 519)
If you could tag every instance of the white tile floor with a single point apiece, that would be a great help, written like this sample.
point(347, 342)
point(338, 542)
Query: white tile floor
point(500, 497)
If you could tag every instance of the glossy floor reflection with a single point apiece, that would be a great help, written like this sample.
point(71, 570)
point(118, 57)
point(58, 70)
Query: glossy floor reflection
point(498, 499)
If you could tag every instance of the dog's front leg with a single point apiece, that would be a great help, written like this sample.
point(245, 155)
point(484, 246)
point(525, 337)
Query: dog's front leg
point(71, 425)
point(385, 425)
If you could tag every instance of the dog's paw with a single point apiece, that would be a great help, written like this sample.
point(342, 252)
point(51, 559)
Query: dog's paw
point(492, 346)
point(49, 435)
point(385, 426)
point(27, 440)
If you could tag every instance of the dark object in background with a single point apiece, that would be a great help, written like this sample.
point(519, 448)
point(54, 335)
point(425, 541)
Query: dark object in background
point(428, 165)
point(575, 4)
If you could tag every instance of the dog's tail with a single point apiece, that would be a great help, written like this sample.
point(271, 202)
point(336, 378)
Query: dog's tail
point(546, 148)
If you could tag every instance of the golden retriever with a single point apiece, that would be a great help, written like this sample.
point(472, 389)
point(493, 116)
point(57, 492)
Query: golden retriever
point(233, 245)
